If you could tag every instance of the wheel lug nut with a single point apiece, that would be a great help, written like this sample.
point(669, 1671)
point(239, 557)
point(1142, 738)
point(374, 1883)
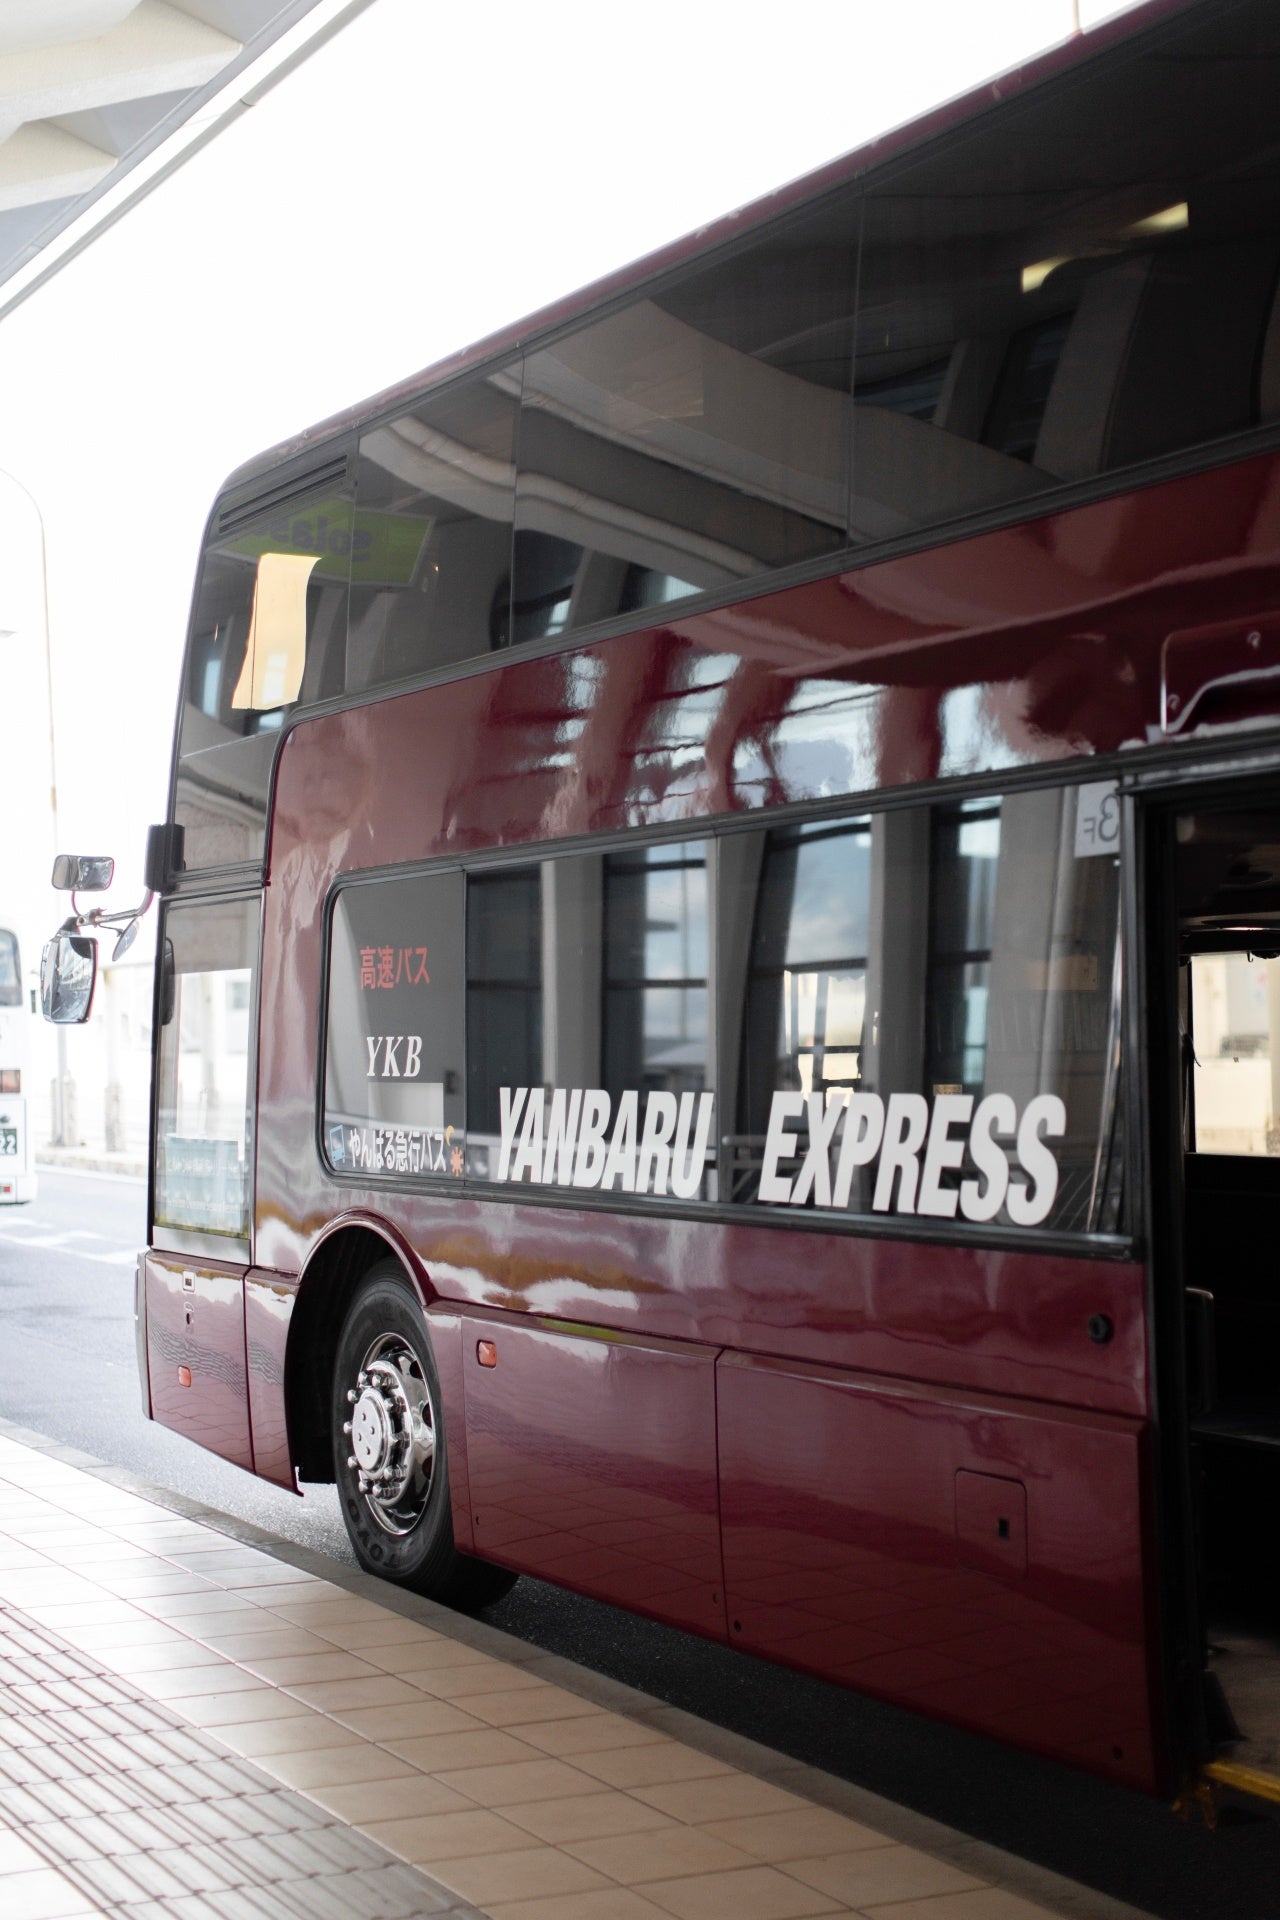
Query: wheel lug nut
point(352, 1396)
point(346, 1426)
point(351, 1460)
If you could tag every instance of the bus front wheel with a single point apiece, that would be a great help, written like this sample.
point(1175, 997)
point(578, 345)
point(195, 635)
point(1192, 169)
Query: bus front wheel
point(389, 1456)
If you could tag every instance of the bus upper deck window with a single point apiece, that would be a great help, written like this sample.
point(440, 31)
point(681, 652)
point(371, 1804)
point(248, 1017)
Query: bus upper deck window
point(431, 568)
point(267, 631)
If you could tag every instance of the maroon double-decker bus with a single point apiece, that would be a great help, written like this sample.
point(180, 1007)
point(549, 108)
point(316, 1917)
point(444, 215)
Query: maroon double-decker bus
point(718, 1036)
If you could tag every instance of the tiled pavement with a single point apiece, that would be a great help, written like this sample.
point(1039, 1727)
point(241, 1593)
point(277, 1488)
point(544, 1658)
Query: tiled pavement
point(121, 1808)
point(200, 1723)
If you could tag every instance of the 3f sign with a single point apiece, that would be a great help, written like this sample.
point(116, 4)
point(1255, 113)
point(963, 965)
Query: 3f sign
point(1097, 819)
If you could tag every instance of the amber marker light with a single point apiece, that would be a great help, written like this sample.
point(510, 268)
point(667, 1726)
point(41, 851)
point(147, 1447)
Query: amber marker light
point(486, 1353)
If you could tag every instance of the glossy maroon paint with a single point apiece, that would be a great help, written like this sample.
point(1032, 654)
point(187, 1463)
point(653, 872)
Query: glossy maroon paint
point(852, 1509)
point(268, 1308)
point(1019, 648)
point(592, 1462)
point(448, 1339)
point(195, 1319)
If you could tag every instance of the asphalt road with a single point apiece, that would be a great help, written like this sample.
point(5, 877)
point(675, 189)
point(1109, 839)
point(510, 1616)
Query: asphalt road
point(67, 1368)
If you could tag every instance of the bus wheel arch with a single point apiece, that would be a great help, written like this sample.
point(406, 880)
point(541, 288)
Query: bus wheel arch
point(364, 1392)
point(337, 1269)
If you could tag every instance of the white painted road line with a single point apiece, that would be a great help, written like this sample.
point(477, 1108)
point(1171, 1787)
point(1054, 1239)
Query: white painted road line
point(118, 1257)
point(33, 1237)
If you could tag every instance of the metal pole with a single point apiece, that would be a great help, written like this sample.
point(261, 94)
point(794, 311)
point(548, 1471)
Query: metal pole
point(59, 1116)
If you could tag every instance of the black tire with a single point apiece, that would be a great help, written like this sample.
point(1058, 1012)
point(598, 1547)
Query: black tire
point(386, 1387)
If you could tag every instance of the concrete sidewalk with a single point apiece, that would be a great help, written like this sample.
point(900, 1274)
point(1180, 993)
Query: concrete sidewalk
point(201, 1723)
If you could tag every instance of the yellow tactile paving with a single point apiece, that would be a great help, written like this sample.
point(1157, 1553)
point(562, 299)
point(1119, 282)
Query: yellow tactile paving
point(450, 1746)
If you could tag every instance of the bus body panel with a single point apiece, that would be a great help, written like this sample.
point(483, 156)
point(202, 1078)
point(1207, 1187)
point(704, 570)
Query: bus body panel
point(448, 1345)
point(973, 1558)
point(268, 1309)
point(592, 1461)
point(976, 1318)
point(196, 1353)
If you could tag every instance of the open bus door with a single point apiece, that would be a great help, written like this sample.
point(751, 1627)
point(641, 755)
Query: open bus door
point(1208, 1022)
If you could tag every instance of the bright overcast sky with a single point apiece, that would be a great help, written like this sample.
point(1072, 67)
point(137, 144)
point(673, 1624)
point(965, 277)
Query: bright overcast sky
point(432, 173)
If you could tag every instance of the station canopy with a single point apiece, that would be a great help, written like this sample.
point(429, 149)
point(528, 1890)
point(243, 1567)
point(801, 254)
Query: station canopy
point(99, 98)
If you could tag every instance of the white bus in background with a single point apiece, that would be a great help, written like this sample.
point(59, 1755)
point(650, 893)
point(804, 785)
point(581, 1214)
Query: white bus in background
point(17, 1149)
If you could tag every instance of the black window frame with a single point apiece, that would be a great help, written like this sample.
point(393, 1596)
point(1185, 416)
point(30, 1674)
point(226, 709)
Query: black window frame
point(243, 508)
point(185, 1240)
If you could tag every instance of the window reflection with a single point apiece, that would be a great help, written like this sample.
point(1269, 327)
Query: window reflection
point(268, 630)
point(669, 754)
point(504, 990)
point(966, 849)
point(434, 493)
point(203, 1113)
point(537, 605)
point(394, 1100)
point(919, 982)
point(962, 331)
point(916, 1014)
point(668, 449)
point(806, 983)
point(655, 940)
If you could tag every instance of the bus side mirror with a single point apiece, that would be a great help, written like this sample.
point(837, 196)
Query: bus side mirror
point(83, 872)
point(68, 971)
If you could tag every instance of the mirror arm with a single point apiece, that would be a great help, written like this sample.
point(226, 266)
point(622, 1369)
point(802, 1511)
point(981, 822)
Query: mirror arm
point(99, 917)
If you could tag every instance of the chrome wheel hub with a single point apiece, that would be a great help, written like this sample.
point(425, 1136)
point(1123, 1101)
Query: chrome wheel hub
point(392, 1431)
point(373, 1435)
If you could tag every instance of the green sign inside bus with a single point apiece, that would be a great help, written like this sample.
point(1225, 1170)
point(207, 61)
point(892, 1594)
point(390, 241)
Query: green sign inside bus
point(377, 549)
